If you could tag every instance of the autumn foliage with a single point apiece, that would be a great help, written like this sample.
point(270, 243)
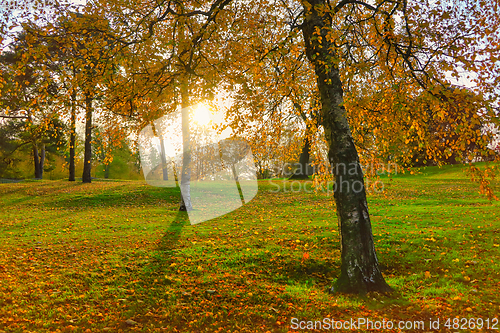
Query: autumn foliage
point(351, 81)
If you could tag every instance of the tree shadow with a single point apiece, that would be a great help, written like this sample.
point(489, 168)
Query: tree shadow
point(167, 247)
point(117, 197)
point(171, 237)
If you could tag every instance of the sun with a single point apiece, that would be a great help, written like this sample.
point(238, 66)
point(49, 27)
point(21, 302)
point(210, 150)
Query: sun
point(202, 114)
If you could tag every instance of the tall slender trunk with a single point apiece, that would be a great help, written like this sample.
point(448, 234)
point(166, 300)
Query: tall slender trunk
point(87, 159)
point(301, 172)
point(359, 269)
point(164, 166)
point(106, 171)
point(36, 160)
point(36, 156)
point(185, 204)
point(39, 160)
point(72, 138)
point(42, 160)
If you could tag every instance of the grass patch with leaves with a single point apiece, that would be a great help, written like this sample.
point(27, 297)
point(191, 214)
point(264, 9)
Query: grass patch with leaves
point(89, 257)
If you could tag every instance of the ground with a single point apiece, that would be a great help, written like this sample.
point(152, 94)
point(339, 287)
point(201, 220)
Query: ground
point(88, 257)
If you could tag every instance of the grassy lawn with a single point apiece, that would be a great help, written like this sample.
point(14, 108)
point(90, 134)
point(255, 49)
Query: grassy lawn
point(88, 257)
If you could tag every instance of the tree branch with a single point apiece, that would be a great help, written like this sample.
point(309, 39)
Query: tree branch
point(13, 117)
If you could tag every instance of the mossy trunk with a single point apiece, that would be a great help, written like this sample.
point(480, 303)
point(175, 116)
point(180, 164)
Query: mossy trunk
point(359, 268)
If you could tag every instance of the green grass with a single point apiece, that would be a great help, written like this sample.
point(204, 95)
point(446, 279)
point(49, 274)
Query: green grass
point(85, 257)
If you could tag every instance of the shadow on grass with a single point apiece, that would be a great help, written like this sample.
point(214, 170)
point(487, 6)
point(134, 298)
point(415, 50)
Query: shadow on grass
point(167, 247)
point(171, 237)
point(10, 180)
point(119, 196)
point(29, 190)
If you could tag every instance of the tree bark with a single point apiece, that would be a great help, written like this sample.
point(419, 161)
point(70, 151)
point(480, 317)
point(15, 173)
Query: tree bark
point(185, 204)
point(72, 138)
point(360, 272)
point(301, 172)
point(39, 160)
point(87, 159)
point(42, 161)
point(36, 160)
point(164, 166)
point(106, 171)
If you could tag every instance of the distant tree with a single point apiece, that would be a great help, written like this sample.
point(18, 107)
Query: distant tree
point(451, 128)
point(83, 59)
point(9, 145)
point(111, 150)
point(26, 100)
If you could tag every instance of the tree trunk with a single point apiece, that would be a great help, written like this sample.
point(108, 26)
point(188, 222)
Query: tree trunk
point(359, 269)
point(185, 204)
point(87, 165)
point(42, 161)
point(106, 171)
point(72, 138)
point(164, 167)
point(39, 160)
point(36, 160)
point(301, 172)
